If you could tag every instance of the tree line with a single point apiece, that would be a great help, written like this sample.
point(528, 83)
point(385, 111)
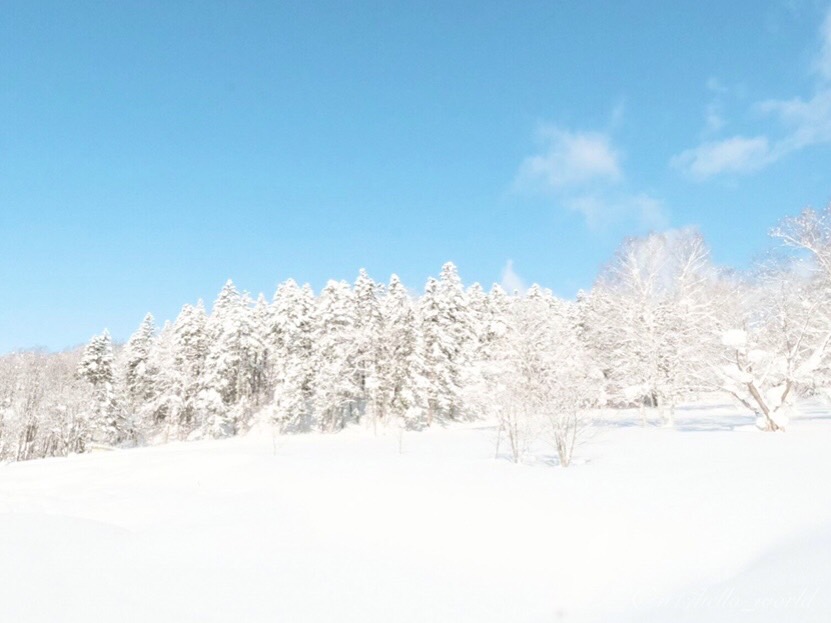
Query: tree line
point(661, 324)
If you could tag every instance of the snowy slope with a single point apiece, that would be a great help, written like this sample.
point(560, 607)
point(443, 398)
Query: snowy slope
point(786, 583)
point(344, 528)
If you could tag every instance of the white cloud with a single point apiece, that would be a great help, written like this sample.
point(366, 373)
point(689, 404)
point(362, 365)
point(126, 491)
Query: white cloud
point(808, 121)
point(737, 154)
point(511, 282)
point(582, 171)
point(601, 208)
point(569, 159)
point(803, 122)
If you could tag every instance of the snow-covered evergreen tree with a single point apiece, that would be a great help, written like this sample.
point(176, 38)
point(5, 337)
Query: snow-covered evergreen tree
point(489, 314)
point(165, 405)
point(180, 385)
point(449, 341)
point(291, 339)
point(223, 382)
point(335, 391)
point(367, 346)
point(138, 372)
point(402, 374)
point(260, 376)
point(97, 368)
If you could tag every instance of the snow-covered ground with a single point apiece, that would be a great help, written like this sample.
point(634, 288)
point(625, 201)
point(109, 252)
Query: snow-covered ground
point(710, 521)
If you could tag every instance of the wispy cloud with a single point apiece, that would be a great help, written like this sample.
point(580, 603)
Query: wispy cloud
point(801, 123)
point(601, 208)
point(808, 121)
point(737, 154)
point(511, 281)
point(569, 159)
point(582, 171)
point(714, 120)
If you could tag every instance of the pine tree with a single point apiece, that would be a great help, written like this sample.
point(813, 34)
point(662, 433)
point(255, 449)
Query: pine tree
point(448, 343)
point(138, 371)
point(260, 372)
point(402, 375)
point(166, 390)
point(369, 326)
point(222, 382)
point(290, 340)
point(97, 368)
point(335, 390)
point(183, 384)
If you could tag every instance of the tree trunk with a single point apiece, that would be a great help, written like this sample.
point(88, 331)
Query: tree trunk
point(770, 425)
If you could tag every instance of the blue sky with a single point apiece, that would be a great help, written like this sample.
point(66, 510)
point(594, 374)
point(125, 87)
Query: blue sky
point(151, 150)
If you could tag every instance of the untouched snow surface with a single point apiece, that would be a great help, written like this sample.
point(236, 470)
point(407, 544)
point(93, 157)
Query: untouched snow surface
point(711, 521)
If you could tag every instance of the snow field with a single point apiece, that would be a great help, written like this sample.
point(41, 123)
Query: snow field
point(703, 521)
